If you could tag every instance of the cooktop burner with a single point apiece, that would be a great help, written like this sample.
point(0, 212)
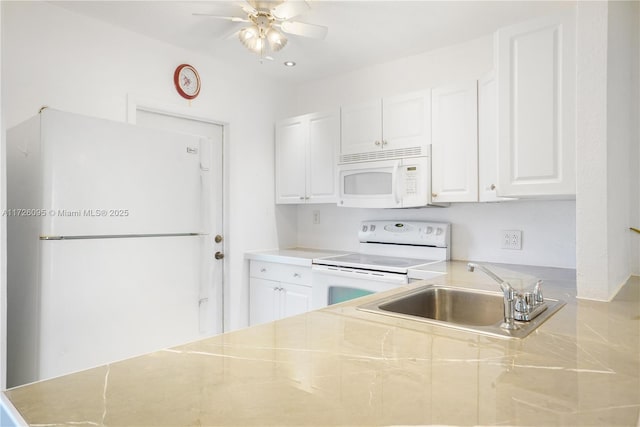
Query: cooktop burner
point(374, 262)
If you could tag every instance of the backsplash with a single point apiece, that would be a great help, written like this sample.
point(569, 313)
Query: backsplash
point(548, 229)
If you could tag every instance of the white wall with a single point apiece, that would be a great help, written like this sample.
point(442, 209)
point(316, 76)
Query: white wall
point(635, 153)
point(55, 57)
point(635, 150)
point(607, 140)
point(3, 239)
point(621, 136)
point(440, 67)
point(548, 227)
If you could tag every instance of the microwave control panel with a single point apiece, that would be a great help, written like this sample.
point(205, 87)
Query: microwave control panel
point(411, 180)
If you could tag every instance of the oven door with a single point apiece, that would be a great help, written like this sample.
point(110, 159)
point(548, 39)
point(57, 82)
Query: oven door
point(332, 285)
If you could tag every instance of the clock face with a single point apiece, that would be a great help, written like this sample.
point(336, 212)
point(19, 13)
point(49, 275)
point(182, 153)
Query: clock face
point(187, 81)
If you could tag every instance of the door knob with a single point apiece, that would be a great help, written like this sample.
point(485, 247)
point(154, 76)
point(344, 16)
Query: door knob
point(218, 238)
point(219, 255)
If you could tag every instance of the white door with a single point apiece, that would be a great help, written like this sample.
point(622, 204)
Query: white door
point(406, 122)
point(211, 297)
point(322, 159)
point(536, 107)
point(291, 147)
point(454, 147)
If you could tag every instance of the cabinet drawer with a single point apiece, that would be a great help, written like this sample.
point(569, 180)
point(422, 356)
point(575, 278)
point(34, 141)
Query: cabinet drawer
point(280, 272)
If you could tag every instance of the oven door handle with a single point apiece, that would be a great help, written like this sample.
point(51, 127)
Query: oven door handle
point(351, 273)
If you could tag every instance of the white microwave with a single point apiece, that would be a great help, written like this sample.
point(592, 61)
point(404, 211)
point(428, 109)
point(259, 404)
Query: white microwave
point(400, 183)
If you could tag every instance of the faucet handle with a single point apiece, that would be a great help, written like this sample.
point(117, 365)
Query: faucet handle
point(523, 303)
point(537, 292)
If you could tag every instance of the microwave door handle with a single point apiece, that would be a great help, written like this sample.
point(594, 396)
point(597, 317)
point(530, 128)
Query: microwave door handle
point(396, 190)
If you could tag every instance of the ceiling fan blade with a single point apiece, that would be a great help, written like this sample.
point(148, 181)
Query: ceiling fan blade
point(227, 18)
point(289, 9)
point(230, 35)
point(306, 30)
point(248, 7)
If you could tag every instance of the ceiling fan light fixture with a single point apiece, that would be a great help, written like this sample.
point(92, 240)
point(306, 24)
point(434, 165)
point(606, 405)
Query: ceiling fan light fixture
point(250, 38)
point(276, 39)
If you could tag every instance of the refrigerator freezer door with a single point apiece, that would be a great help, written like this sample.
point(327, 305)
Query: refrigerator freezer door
point(109, 178)
point(108, 299)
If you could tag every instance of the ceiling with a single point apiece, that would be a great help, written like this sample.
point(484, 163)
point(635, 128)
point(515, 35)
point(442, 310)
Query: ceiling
point(361, 33)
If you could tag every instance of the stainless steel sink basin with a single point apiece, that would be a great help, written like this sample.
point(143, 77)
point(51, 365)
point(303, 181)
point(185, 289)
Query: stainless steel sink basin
point(466, 309)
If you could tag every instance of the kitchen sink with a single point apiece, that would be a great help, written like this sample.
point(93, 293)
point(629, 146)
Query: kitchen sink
point(471, 310)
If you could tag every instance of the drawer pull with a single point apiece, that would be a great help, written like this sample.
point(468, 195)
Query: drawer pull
point(296, 274)
point(263, 270)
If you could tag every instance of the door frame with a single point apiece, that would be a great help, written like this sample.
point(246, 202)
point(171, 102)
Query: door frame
point(136, 103)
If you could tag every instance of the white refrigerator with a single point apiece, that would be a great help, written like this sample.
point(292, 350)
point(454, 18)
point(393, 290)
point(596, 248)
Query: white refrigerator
point(107, 244)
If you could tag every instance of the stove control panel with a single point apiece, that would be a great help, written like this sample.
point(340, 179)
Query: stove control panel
point(420, 233)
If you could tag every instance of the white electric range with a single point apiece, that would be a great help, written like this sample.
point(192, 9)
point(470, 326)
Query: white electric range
point(388, 250)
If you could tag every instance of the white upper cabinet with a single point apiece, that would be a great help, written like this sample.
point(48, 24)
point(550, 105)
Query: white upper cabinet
point(306, 153)
point(488, 139)
point(361, 129)
point(291, 146)
point(394, 127)
point(406, 121)
point(454, 151)
point(322, 157)
point(536, 107)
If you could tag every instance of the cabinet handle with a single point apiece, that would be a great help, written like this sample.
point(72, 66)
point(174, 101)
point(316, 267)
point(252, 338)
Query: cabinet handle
point(434, 195)
point(493, 187)
point(377, 143)
point(307, 198)
point(296, 274)
point(263, 270)
point(384, 142)
point(301, 197)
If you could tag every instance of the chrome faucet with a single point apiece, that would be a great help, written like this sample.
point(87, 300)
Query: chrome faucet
point(517, 306)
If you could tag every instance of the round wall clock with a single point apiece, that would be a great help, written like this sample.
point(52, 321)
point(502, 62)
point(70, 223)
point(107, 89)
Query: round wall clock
point(187, 81)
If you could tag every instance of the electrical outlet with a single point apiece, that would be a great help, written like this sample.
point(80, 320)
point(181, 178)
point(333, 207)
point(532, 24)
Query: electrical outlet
point(316, 217)
point(511, 239)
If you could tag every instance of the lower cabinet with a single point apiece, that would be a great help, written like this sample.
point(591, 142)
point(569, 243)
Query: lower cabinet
point(277, 291)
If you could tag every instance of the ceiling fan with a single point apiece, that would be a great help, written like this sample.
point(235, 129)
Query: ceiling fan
point(268, 20)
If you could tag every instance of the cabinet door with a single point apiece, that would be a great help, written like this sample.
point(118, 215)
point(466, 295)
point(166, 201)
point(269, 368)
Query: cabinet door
point(264, 300)
point(454, 161)
point(406, 123)
point(322, 160)
point(291, 146)
point(361, 128)
point(536, 107)
point(488, 139)
point(294, 299)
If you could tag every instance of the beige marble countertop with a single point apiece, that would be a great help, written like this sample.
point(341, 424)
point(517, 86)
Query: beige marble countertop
point(342, 366)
